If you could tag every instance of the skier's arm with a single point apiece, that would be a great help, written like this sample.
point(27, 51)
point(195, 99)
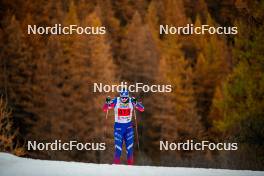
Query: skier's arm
point(137, 104)
point(109, 104)
point(140, 107)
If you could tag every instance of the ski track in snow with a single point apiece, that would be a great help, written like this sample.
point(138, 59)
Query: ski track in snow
point(11, 165)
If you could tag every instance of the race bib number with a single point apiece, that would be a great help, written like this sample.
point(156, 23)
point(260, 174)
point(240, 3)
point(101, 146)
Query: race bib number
point(124, 112)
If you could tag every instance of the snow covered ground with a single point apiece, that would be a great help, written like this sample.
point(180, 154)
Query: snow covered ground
point(11, 165)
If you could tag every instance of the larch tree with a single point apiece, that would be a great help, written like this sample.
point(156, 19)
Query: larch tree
point(138, 63)
point(100, 68)
point(112, 24)
point(70, 66)
point(18, 69)
point(212, 65)
point(152, 19)
point(174, 13)
point(181, 121)
point(9, 134)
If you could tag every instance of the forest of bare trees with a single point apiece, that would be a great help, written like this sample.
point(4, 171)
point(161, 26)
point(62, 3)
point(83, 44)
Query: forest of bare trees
point(218, 80)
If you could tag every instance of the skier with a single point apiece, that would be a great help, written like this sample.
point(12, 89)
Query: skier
point(123, 127)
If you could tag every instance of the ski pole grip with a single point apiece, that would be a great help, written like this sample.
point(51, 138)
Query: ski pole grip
point(108, 100)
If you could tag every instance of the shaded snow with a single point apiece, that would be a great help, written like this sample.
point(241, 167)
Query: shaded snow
point(11, 165)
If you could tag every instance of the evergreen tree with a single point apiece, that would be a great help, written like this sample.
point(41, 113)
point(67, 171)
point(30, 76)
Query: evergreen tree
point(242, 90)
point(240, 106)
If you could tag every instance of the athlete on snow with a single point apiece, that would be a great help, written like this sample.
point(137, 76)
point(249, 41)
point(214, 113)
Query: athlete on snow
point(123, 127)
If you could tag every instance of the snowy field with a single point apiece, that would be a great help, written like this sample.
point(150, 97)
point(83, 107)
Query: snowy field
point(11, 165)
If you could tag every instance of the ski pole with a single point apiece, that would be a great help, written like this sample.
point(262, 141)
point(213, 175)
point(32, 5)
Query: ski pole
point(107, 102)
point(105, 124)
point(136, 128)
point(106, 113)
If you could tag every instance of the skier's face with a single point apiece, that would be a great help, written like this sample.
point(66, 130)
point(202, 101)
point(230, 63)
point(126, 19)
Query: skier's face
point(124, 99)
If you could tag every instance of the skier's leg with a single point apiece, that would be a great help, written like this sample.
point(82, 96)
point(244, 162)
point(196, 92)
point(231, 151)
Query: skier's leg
point(118, 135)
point(129, 140)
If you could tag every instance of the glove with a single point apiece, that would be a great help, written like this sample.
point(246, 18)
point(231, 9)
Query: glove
point(134, 100)
point(108, 100)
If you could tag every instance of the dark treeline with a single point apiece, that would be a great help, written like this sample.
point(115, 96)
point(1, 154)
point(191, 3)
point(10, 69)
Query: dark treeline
point(218, 92)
